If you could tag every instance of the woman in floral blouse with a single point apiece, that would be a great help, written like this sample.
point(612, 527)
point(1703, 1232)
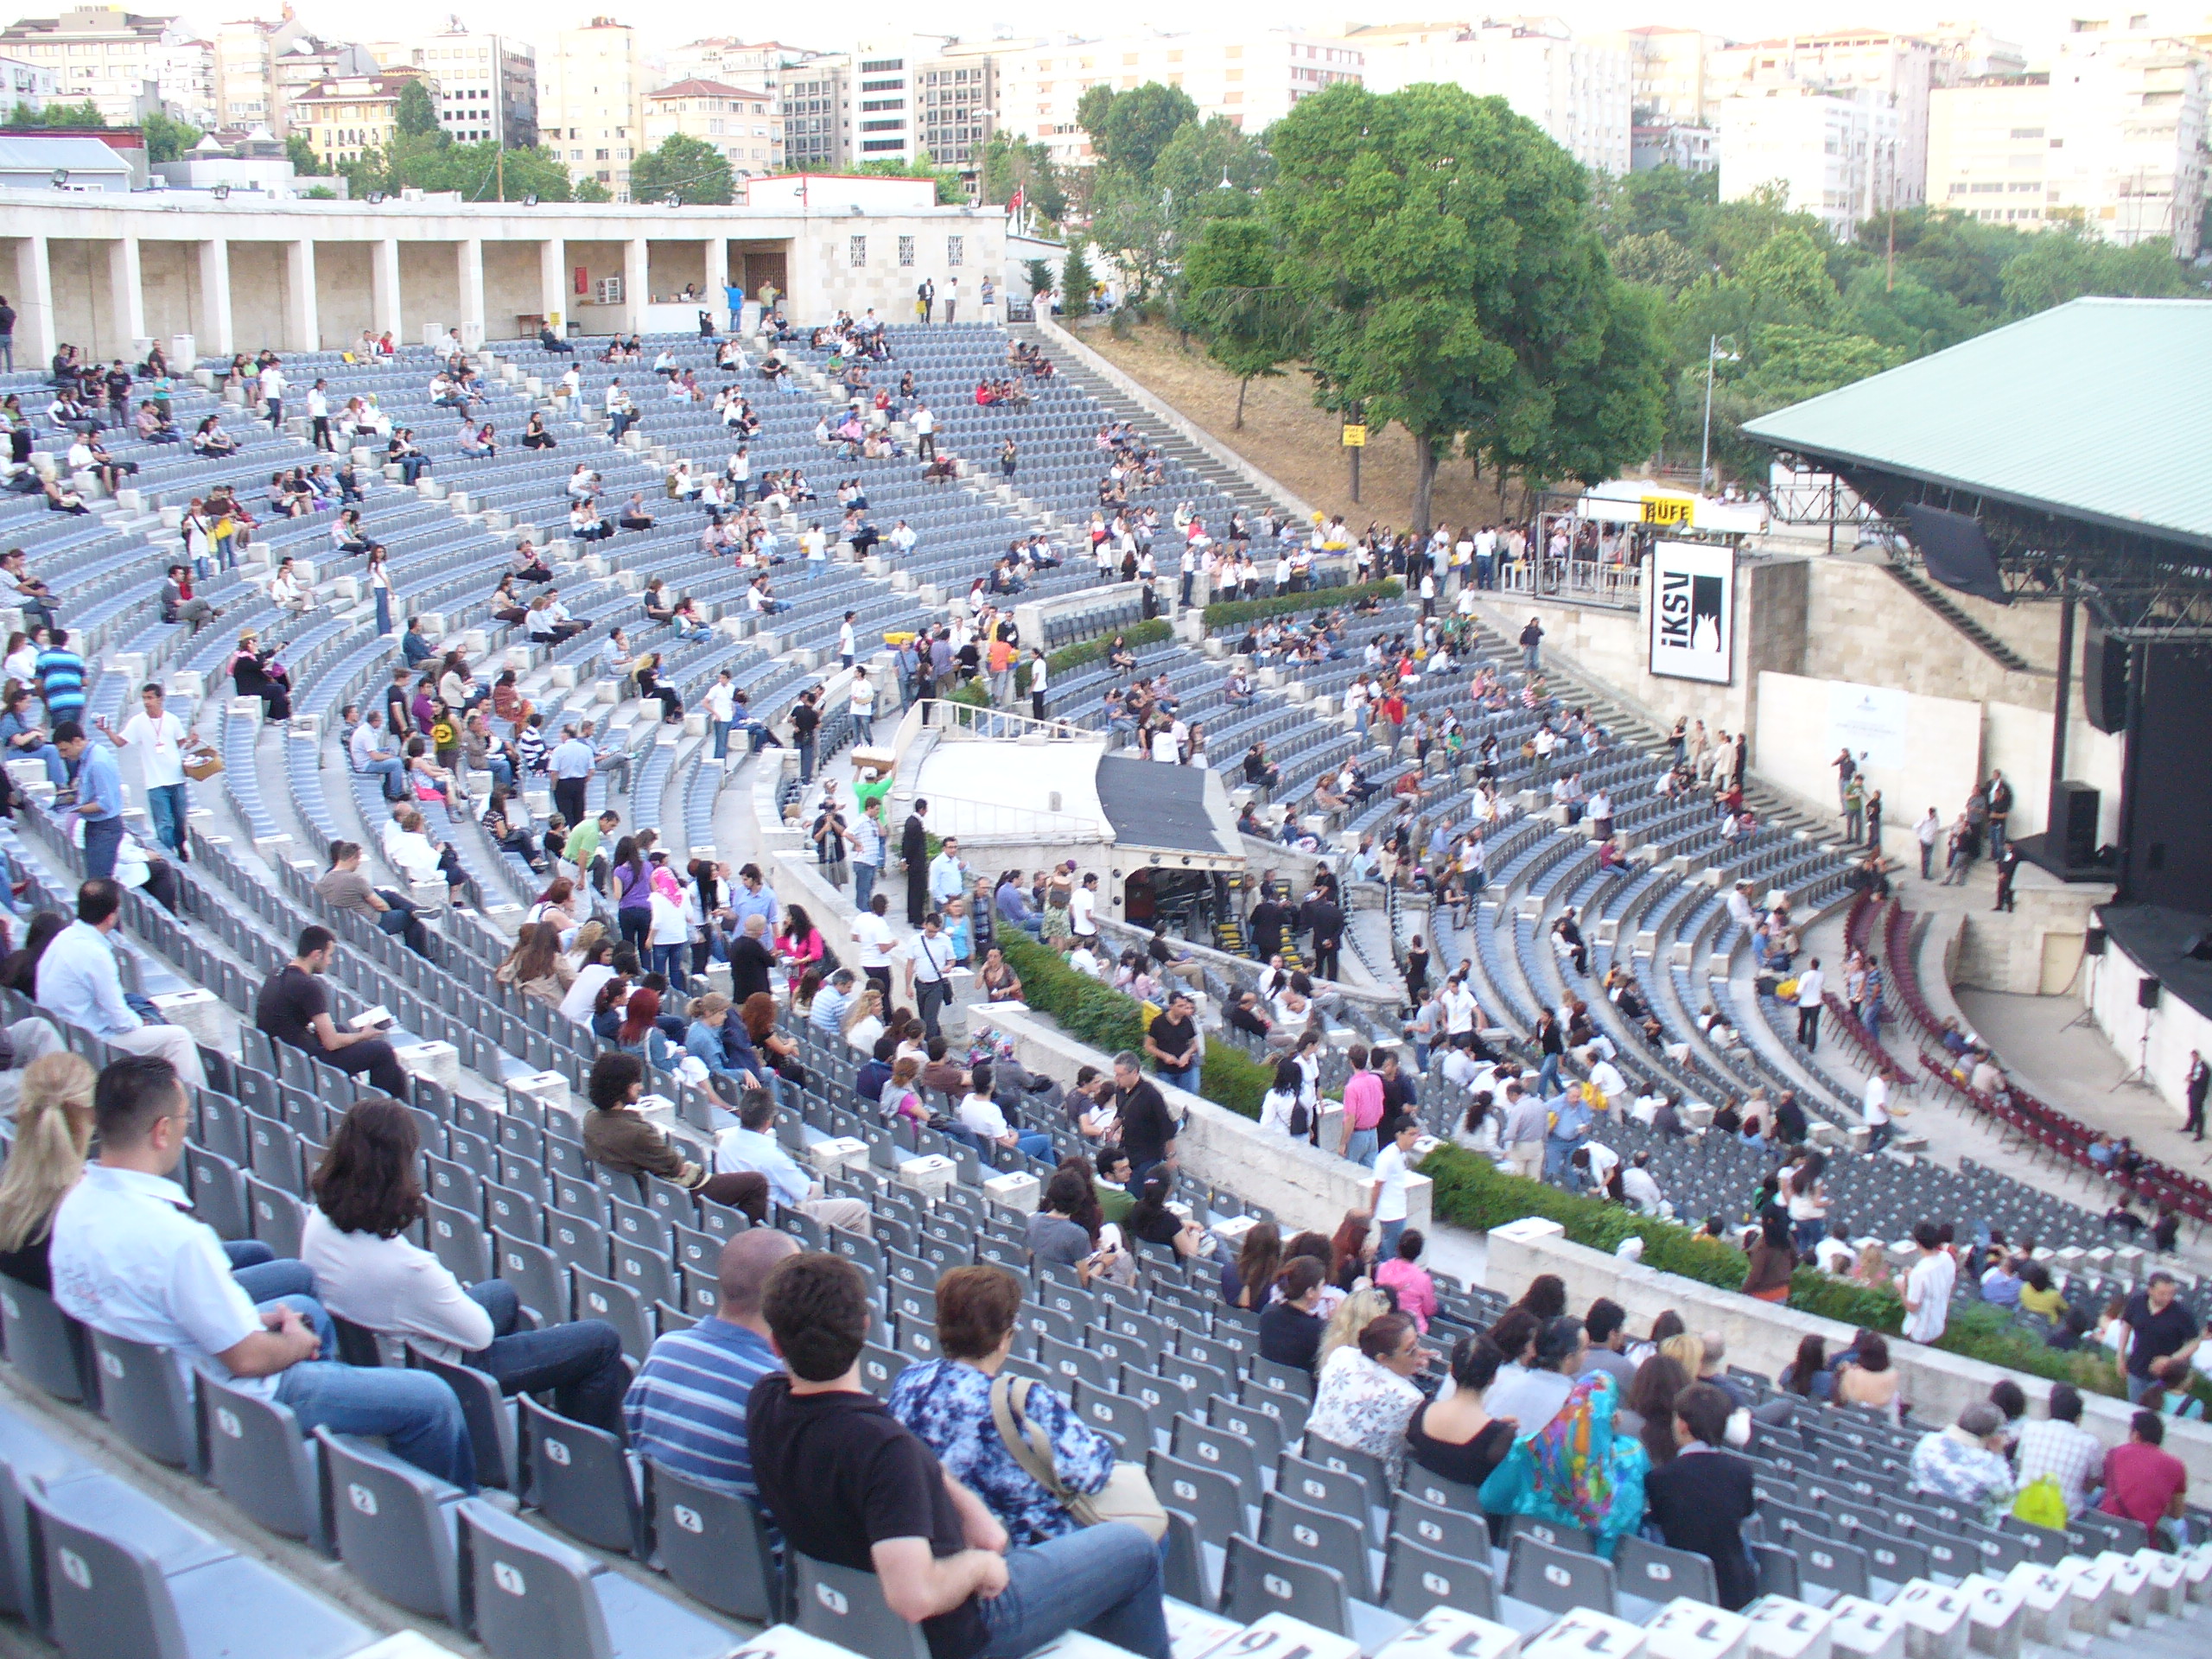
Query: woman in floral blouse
point(947, 1403)
point(1366, 1397)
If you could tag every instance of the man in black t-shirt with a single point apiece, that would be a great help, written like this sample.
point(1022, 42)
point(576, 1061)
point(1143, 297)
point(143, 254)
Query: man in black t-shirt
point(1148, 1130)
point(1171, 1040)
point(806, 719)
point(849, 1484)
point(295, 1009)
point(2159, 1327)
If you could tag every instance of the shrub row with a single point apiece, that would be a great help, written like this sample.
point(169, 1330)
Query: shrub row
point(1235, 612)
point(1471, 1192)
point(1068, 658)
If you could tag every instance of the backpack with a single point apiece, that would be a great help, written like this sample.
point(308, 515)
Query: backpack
point(1301, 1122)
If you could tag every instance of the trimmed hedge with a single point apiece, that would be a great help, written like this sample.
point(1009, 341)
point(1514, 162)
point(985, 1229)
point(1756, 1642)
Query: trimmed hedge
point(1235, 612)
point(1104, 1018)
point(1069, 657)
point(1471, 1192)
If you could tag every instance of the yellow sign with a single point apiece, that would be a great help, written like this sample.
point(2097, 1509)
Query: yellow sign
point(1355, 438)
point(1666, 510)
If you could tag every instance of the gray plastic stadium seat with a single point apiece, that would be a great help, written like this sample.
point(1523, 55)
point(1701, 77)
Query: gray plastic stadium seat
point(715, 1547)
point(1257, 1581)
point(145, 1397)
point(257, 1457)
point(1461, 1533)
point(1415, 1580)
point(1559, 1580)
point(44, 1344)
point(535, 1598)
point(1434, 1490)
point(1777, 1571)
point(392, 1525)
point(1212, 1500)
point(26, 1456)
point(1830, 1564)
point(1658, 1574)
point(126, 1577)
point(1571, 1539)
point(491, 1427)
point(578, 1477)
point(1183, 1571)
point(840, 1604)
point(1313, 1534)
point(1348, 1460)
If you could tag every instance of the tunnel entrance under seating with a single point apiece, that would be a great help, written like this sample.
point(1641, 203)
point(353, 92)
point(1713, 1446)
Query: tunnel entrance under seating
point(1185, 902)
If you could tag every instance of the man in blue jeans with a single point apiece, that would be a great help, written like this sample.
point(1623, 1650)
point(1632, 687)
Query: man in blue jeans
point(849, 1484)
point(99, 797)
point(128, 1259)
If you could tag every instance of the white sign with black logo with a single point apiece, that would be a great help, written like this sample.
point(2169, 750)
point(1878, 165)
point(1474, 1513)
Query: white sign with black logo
point(1694, 611)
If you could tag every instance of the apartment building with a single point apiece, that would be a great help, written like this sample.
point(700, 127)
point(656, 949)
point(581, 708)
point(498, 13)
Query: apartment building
point(487, 84)
point(117, 59)
point(956, 108)
point(1832, 156)
point(817, 137)
point(1251, 79)
point(261, 68)
point(1896, 70)
point(1669, 74)
point(735, 120)
point(1577, 89)
point(348, 115)
point(2110, 137)
point(27, 84)
point(592, 83)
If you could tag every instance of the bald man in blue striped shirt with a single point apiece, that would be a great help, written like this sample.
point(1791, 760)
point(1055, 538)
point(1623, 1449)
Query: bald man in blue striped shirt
point(686, 1409)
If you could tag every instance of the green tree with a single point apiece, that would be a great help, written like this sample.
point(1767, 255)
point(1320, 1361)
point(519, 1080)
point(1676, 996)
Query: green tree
point(167, 139)
point(1658, 201)
point(418, 112)
point(372, 170)
point(1037, 273)
point(1231, 299)
point(1076, 283)
point(484, 173)
point(589, 189)
point(1009, 165)
point(298, 151)
point(1787, 274)
point(688, 169)
point(1191, 168)
point(1133, 227)
point(1132, 128)
point(2064, 264)
point(951, 188)
point(1091, 109)
point(1655, 258)
point(1444, 277)
point(86, 114)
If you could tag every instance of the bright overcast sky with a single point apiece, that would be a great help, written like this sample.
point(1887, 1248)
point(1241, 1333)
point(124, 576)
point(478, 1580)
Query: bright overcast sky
point(2031, 22)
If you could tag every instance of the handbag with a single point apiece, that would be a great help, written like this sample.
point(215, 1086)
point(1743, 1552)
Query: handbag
point(1126, 1495)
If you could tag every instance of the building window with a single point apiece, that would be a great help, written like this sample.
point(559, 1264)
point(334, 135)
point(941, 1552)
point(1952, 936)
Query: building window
point(956, 250)
point(856, 251)
point(906, 250)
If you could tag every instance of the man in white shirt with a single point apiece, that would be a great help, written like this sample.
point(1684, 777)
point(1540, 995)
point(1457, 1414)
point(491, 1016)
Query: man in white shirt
point(861, 707)
point(1810, 985)
point(1834, 1254)
point(158, 737)
point(1083, 911)
point(1638, 1186)
point(929, 971)
point(720, 704)
point(846, 643)
point(319, 416)
point(879, 945)
point(1387, 1199)
point(272, 394)
point(1927, 1289)
point(925, 425)
point(1460, 1009)
point(980, 1116)
point(620, 412)
point(948, 875)
point(1875, 1111)
point(1081, 959)
point(79, 984)
point(373, 751)
point(751, 1147)
point(128, 1260)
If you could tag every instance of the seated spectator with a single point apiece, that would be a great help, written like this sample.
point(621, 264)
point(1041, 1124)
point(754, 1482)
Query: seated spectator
point(847, 1484)
point(2145, 1482)
point(367, 1193)
point(1152, 1222)
point(1532, 1394)
point(1455, 1437)
point(686, 1409)
point(1404, 1277)
point(1055, 1232)
point(342, 887)
point(79, 984)
point(1291, 1327)
point(617, 1137)
point(294, 1009)
point(1365, 1396)
point(751, 1147)
point(949, 1403)
point(1964, 1464)
point(54, 1127)
point(128, 1260)
point(1700, 1503)
point(2058, 1449)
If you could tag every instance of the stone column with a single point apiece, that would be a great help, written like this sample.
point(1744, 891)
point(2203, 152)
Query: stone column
point(129, 296)
point(302, 315)
point(35, 338)
point(717, 272)
point(384, 279)
point(471, 253)
point(634, 291)
point(553, 298)
point(216, 338)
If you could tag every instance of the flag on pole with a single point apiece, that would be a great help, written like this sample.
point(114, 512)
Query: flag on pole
point(1014, 203)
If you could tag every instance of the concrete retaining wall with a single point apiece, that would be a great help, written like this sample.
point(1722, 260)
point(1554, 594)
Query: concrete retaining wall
point(1760, 1337)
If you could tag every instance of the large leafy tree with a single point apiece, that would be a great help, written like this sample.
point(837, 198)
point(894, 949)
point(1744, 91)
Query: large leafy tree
point(1011, 164)
point(1231, 299)
point(688, 169)
point(1188, 173)
point(1076, 283)
point(482, 173)
point(1129, 129)
point(951, 189)
point(86, 114)
point(418, 112)
point(297, 150)
point(1445, 277)
point(2065, 263)
point(168, 138)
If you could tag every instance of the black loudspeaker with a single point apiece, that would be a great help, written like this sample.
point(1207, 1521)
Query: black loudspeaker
point(2078, 805)
point(2199, 949)
point(2104, 680)
point(2093, 943)
point(2146, 992)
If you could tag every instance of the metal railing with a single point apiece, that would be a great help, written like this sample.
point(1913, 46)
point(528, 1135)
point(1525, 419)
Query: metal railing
point(1594, 582)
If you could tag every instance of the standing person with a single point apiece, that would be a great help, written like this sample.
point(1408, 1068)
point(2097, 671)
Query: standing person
point(296, 1010)
point(1082, 916)
point(1875, 1112)
point(914, 849)
point(869, 842)
point(2194, 1088)
point(1040, 674)
point(1929, 832)
point(2008, 864)
point(1363, 1098)
point(862, 709)
point(1998, 793)
point(849, 1484)
point(1387, 1201)
point(2159, 1327)
point(1532, 643)
point(6, 336)
point(1927, 1287)
point(99, 796)
point(806, 721)
point(571, 764)
point(1171, 1040)
point(929, 971)
point(162, 739)
point(1147, 1128)
point(720, 701)
point(1810, 986)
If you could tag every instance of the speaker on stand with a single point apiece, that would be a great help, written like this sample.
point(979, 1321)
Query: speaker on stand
point(2147, 992)
point(2093, 944)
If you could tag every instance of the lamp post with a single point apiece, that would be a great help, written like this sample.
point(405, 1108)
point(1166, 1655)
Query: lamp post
point(1714, 353)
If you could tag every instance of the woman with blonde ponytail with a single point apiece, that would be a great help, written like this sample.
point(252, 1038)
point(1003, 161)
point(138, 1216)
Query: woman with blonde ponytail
point(53, 1126)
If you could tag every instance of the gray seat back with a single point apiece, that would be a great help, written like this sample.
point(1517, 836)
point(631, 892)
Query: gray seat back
point(143, 1394)
point(1318, 1535)
point(1208, 1497)
point(26, 1457)
point(491, 1430)
point(257, 1457)
point(1658, 1574)
point(217, 1188)
point(1416, 1580)
point(1559, 1579)
point(1257, 1581)
point(1831, 1564)
point(392, 1525)
point(1440, 1493)
point(715, 1547)
point(45, 1343)
point(579, 1479)
point(1447, 1532)
point(102, 1570)
point(528, 1596)
point(847, 1607)
point(1184, 1574)
point(1350, 1461)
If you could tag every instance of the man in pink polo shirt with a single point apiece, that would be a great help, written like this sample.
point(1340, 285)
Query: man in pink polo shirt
point(1363, 1110)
